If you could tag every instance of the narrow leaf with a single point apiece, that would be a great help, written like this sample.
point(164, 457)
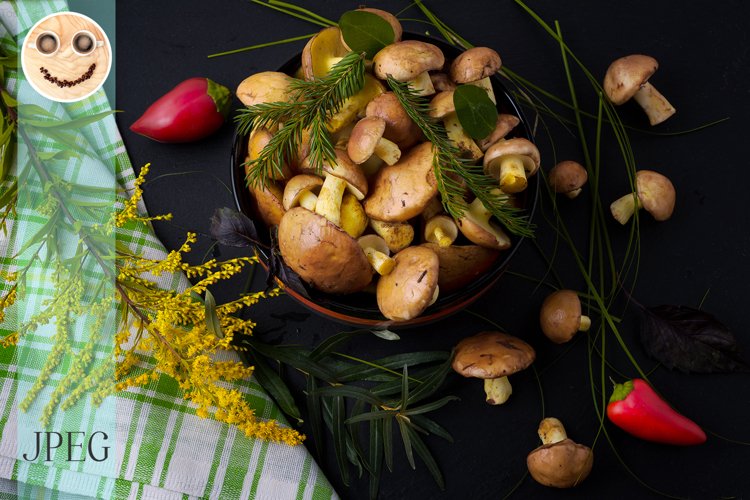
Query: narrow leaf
point(427, 458)
point(476, 112)
point(350, 392)
point(296, 357)
point(369, 416)
point(426, 408)
point(332, 342)
point(212, 319)
point(232, 228)
point(365, 32)
point(272, 382)
point(404, 389)
point(431, 426)
point(388, 443)
point(406, 438)
point(393, 362)
point(432, 383)
point(339, 436)
point(69, 124)
point(376, 456)
point(314, 416)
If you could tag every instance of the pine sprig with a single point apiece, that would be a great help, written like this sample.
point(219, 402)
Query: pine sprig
point(310, 107)
point(451, 171)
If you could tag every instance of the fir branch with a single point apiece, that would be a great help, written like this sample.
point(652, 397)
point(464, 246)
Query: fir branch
point(311, 105)
point(451, 170)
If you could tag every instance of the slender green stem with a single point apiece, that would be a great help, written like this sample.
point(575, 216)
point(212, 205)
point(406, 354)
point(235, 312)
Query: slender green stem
point(291, 13)
point(261, 45)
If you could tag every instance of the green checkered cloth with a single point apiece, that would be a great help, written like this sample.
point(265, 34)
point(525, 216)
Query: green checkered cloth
point(159, 448)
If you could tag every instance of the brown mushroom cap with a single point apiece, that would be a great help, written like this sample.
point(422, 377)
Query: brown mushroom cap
point(267, 202)
point(442, 104)
point(407, 59)
point(407, 290)
point(346, 169)
point(399, 128)
point(626, 75)
point(560, 315)
point(400, 192)
point(364, 138)
point(441, 82)
point(490, 355)
point(461, 264)
point(258, 140)
point(567, 176)
point(505, 123)
point(657, 194)
point(517, 146)
point(560, 465)
point(475, 64)
point(322, 254)
point(266, 86)
point(298, 185)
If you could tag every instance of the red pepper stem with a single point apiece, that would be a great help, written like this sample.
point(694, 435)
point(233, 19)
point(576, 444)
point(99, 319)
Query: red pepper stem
point(220, 95)
point(621, 391)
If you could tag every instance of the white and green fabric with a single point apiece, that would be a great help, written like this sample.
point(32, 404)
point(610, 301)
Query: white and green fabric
point(159, 448)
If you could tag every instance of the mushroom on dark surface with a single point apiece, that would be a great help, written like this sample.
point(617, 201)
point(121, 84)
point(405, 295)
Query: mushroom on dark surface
point(628, 77)
point(654, 192)
point(568, 178)
point(560, 316)
point(411, 286)
point(559, 462)
point(493, 356)
point(511, 162)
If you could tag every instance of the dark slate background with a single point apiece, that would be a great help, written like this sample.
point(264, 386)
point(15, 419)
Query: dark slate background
point(702, 253)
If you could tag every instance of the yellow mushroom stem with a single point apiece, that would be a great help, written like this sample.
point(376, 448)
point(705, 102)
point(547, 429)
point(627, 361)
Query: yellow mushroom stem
point(551, 431)
point(656, 106)
point(498, 390)
point(574, 193)
point(585, 323)
point(388, 151)
point(435, 295)
point(353, 216)
point(329, 199)
point(442, 230)
point(443, 240)
point(486, 84)
point(379, 261)
point(458, 136)
point(511, 172)
point(422, 84)
point(308, 200)
point(623, 208)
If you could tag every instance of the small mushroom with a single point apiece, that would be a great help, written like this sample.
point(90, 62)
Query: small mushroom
point(367, 140)
point(399, 127)
point(511, 162)
point(475, 66)
point(300, 190)
point(411, 286)
point(476, 226)
point(409, 61)
point(559, 462)
point(461, 265)
point(442, 107)
point(399, 192)
point(442, 230)
point(568, 177)
point(505, 123)
point(322, 254)
point(493, 356)
point(322, 52)
point(353, 217)
point(397, 235)
point(377, 253)
point(341, 176)
point(628, 77)
point(266, 86)
point(390, 18)
point(560, 316)
point(654, 192)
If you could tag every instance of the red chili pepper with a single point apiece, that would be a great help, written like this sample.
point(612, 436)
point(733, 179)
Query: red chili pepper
point(637, 409)
point(194, 109)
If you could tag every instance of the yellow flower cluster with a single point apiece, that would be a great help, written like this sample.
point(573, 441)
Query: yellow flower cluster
point(129, 212)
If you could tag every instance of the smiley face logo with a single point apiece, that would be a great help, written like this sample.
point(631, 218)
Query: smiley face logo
point(66, 56)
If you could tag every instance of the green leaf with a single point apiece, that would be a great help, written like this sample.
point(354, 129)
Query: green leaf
point(388, 443)
point(69, 124)
point(426, 457)
point(406, 438)
point(9, 154)
point(432, 383)
point(9, 100)
point(332, 342)
point(376, 456)
point(349, 392)
point(370, 416)
point(426, 408)
point(431, 426)
point(365, 32)
point(476, 112)
point(314, 416)
point(359, 458)
point(272, 382)
point(404, 389)
point(7, 196)
point(212, 319)
point(296, 357)
point(339, 436)
point(390, 362)
point(386, 334)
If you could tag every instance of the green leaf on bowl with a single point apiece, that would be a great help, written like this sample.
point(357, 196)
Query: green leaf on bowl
point(476, 112)
point(365, 32)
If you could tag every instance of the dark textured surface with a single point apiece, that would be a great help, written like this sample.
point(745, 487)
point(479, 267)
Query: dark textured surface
point(702, 252)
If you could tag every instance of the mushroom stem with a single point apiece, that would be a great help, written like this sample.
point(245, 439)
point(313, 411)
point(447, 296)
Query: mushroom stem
point(435, 295)
point(422, 84)
point(512, 174)
point(486, 85)
point(551, 431)
point(498, 390)
point(443, 240)
point(574, 193)
point(329, 199)
point(387, 151)
point(624, 207)
point(308, 200)
point(585, 324)
point(460, 138)
point(656, 106)
point(379, 261)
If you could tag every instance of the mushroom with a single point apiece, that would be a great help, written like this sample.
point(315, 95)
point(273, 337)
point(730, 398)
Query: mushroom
point(476, 226)
point(398, 31)
point(353, 216)
point(322, 52)
point(559, 462)
point(399, 127)
point(505, 123)
point(560, 316)
point(461, 264)
point(628, 77)
point(654, 192)
point(355, 105)
point(397, 235)
point(493, 356)
point(377, 253)
point(442, 82)
point(340, 176)
point(411, 286)
point(267, 86)
point(476, 66)
point(258, 140)
point(399, 192)
point(299, 191)
point(367, 140)
point(511, 162)
point(267, 202)
point(442, 107)
point(441, 229)
point(568, 178)
point(409, 61)
point(322, 254)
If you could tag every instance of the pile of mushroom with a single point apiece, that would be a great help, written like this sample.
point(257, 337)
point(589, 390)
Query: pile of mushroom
point(373, 219)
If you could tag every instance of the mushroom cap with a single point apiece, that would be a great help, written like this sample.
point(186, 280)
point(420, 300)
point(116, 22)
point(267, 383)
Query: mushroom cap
point(656, 192)
point(461, 264)
point(516, 146)
point(364, 138)
point(346, 169)
point(298, 185)
point(505, 123)
point(490, 355)
point(560, 316)
point(626, 75)
point(475, 64)
point(258, 140)
point(441, 82)
point(407, 59)
point(567, 176)
point(266, 86)
point(483, 234)
point(407, 290)
point(560, 465)
point(267, 202)
point(442, 104)
point(400, 191)
point(322, 254)
point(399, 128)
point(321, 51)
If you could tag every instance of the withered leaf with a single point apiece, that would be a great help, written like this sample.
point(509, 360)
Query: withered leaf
point(232, 228)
